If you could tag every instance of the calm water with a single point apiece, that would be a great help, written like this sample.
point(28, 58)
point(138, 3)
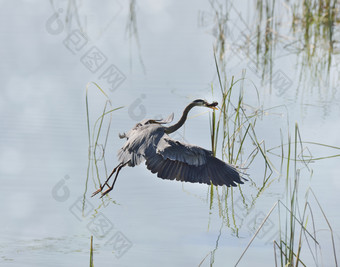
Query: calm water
point(153, 59)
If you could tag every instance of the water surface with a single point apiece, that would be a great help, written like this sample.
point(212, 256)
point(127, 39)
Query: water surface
point(162, 57)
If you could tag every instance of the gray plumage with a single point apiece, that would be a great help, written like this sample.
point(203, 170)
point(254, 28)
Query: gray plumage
point(149, 141)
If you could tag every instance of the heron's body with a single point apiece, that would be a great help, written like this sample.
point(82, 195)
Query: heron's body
point(149, 141)
point(141, 141)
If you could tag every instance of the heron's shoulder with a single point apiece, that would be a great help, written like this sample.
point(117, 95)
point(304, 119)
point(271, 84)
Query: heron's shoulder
point(145, 131)
point(151, 128)
point(172, 142)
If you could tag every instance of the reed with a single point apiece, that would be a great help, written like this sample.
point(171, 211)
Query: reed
point(97, 136)
point(297, 229)
point(234, 135)
point(91, 252)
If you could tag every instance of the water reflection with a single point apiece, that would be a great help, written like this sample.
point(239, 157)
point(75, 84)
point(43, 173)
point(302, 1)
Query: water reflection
point(276, 31)
point(132, 32)
point(74, 15)
point(69, 14)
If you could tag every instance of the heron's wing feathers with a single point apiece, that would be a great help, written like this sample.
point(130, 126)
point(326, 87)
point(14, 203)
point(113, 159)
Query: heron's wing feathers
point(175, 150)
point(183, 162)
point(140, 141)
point(167, 120)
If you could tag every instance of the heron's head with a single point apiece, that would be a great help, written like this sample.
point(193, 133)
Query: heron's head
point(203, 103)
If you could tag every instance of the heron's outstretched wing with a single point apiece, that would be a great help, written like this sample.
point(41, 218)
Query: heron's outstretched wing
point(175, 160)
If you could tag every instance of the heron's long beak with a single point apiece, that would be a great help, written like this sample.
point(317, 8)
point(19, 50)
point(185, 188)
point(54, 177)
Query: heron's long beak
point(213, 105)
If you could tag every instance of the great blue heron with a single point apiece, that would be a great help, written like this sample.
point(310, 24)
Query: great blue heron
point(149, 140)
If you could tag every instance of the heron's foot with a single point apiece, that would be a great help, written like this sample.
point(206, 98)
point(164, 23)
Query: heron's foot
point(98, 191)
point(106, 191)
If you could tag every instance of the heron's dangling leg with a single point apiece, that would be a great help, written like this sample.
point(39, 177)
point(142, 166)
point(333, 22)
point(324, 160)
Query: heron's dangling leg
point(106, 182)
point(120, 166)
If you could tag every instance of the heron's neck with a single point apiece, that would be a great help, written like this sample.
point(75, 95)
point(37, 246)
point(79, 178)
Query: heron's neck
point(179, 124)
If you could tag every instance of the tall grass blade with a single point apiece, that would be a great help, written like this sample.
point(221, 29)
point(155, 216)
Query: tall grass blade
point(91, 252)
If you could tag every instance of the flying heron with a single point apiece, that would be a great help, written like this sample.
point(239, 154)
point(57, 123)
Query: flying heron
point(149, 141)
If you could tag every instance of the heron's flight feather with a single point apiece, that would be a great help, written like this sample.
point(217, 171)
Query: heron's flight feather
point(212, 170)
point(167, 120)
point(175, 150)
